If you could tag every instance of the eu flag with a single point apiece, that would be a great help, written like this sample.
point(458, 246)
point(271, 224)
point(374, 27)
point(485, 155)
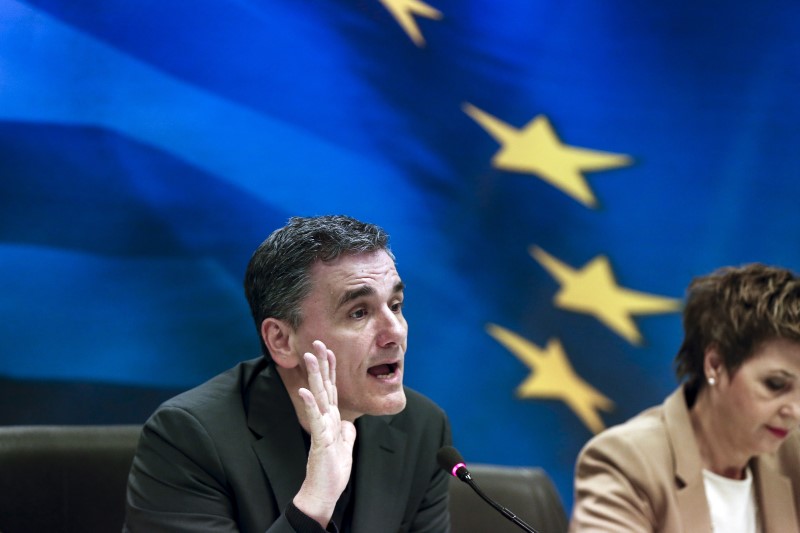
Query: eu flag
point(553, 174)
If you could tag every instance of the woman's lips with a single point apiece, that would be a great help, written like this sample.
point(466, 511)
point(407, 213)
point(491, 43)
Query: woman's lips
point(778, 432)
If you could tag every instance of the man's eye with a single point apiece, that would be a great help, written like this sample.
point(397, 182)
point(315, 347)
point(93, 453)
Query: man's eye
point(358, 313)
point(397, 307)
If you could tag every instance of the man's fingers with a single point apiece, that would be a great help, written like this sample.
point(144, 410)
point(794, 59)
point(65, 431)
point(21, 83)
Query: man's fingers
point(312, 411)
point(327, 365)
point(321, 353)
point(333, 392)
point(315, 382)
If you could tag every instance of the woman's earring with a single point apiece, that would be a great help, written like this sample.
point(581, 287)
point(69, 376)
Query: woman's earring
point(712, 381)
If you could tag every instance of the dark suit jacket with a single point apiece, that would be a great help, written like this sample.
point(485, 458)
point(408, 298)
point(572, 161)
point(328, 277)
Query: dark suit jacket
point(229, 456)
point(646, 475)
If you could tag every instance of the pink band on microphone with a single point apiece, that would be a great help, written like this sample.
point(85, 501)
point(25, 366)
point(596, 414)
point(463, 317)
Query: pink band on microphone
point(455, 469)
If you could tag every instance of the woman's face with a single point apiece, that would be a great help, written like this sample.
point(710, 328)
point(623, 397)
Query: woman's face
point(761, 400)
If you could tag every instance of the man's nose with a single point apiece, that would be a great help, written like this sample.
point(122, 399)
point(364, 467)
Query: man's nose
point(392, 327)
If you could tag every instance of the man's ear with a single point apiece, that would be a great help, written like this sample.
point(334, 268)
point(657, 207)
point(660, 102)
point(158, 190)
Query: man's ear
point(277, 335)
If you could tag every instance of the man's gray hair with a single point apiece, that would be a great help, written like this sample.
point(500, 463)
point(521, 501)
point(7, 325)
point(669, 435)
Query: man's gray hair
point(278, 276)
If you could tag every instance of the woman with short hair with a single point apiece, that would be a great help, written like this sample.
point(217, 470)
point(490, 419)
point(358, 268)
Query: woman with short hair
point(722, 452)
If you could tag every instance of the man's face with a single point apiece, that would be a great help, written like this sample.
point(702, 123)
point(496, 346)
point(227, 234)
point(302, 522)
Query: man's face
point(356, 308)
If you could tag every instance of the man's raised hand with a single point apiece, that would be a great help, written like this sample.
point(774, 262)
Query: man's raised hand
point(330, 459)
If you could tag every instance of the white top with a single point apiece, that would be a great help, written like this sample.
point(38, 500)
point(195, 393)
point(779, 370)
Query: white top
point(732, 503)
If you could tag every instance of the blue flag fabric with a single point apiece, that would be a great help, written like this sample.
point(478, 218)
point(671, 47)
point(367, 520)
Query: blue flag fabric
point(552, 175)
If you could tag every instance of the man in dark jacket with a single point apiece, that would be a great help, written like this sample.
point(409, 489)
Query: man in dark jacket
point(317, 434)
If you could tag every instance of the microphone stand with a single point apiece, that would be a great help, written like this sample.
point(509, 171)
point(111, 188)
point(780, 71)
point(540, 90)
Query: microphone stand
point(467, 478)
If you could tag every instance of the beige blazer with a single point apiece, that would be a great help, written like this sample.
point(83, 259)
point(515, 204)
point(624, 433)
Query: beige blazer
point(646, 475)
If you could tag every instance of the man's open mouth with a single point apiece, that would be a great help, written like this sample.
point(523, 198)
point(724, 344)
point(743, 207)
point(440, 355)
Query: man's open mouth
point(383, 371)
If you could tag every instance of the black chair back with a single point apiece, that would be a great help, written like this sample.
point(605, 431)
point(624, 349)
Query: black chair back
point(527, 492)
point(69, 479)
point(72, 479)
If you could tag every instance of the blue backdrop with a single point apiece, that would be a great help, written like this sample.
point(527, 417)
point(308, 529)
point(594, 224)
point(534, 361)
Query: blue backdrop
point(553, 174)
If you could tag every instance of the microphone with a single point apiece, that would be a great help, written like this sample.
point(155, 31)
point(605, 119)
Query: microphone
point(452, 463)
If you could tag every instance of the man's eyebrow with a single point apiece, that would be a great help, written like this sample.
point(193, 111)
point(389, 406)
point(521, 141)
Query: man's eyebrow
point(349, 296)
point(364, 290)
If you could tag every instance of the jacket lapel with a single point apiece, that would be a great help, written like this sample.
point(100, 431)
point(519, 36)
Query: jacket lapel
point(381, 486)
point(775, 498)
point(691, 495)
point(271, 416)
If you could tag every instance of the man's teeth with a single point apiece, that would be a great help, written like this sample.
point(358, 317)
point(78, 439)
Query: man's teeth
point(383, 371)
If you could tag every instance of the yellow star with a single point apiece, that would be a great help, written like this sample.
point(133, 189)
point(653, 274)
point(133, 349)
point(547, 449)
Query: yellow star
point(536, 149)
point(593, 290)
point(553, 377)
point(404, 11)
